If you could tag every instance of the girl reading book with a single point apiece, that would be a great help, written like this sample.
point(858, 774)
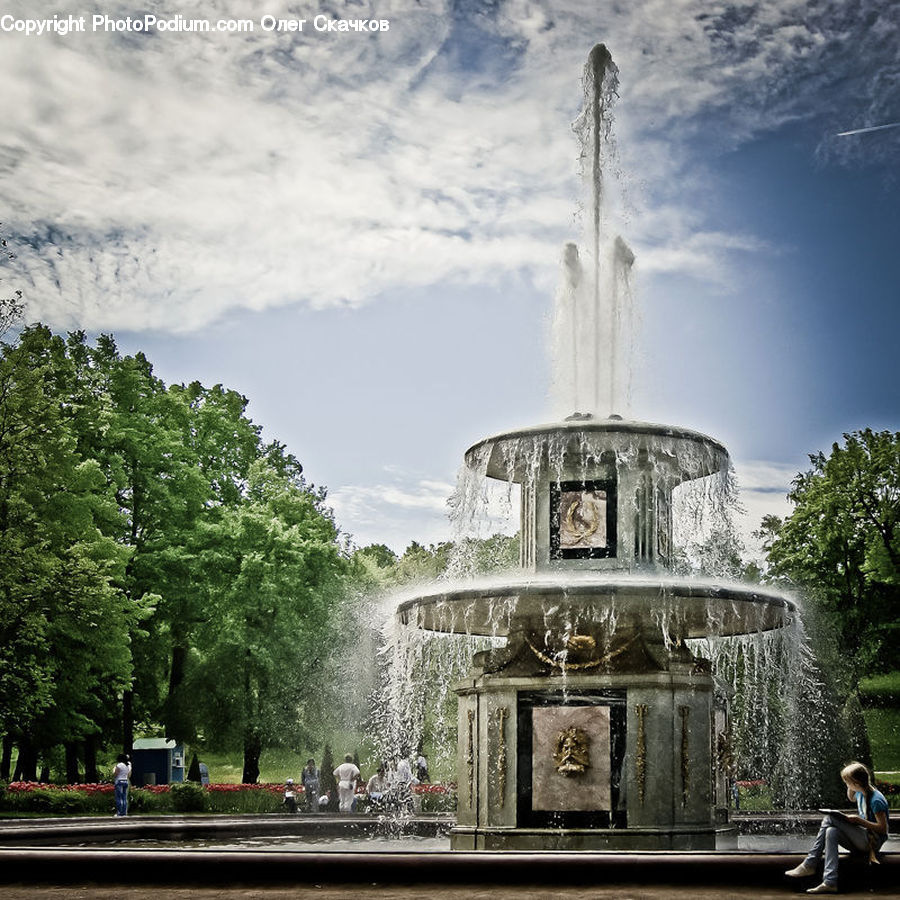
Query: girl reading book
point(864, 833)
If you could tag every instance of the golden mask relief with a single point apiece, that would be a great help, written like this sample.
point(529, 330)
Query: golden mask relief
point(572, 754)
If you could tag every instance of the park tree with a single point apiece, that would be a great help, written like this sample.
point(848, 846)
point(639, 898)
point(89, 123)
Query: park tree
point(65, 623)
point(11, 303)
point(174, 457)
point(841, 544)
point(276, 576)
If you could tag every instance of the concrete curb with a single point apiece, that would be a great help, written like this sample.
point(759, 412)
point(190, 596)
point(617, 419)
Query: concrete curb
point(217, 867)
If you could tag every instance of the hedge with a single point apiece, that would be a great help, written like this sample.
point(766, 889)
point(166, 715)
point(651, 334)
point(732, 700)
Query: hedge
point(98, 799)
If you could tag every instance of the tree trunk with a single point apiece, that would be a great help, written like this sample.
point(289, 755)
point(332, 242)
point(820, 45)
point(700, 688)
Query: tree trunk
point(252, 751)
point(176, 721)
point(26, 764)
point(44, 777)
point(91, 775)
point(72, 774)
point(127, 722)
point(6, 760)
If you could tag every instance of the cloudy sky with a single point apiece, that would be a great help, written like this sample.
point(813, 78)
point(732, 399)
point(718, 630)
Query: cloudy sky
point(362, 231)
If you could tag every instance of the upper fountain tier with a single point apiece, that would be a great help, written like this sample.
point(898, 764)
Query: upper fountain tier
point(576, 444)
point(597, 493)
point(596, 538)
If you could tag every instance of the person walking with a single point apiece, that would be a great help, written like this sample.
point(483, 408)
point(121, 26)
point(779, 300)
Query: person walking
point(347, 775)
point(310, 779)
point(864, 833)
point(121, 774)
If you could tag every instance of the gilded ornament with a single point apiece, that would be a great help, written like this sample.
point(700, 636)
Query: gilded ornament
point(572, 755)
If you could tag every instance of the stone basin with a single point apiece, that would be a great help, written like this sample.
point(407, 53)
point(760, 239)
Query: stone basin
point(682, 608)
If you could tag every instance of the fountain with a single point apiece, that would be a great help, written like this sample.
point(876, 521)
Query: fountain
point(589, 721)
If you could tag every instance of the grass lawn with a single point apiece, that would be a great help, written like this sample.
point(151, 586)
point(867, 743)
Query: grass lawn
point(881, 709)
point(883, 724)
point(274, 765)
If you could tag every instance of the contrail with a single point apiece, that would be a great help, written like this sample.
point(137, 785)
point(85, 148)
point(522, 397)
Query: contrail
point(867, 130)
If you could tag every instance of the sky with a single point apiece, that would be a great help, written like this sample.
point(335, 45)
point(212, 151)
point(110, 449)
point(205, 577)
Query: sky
point(361, 230)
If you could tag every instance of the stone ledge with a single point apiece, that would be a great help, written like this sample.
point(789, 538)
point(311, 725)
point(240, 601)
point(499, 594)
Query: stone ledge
point(72, 866)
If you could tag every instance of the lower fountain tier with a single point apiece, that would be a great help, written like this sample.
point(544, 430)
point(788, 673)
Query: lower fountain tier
point(680, 608)
point(597, 761)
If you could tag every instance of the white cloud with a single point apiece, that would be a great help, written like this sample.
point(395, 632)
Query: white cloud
point(165, 180)
point(763, 491)
point(404, 508)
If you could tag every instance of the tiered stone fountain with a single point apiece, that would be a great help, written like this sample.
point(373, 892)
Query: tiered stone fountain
point(590, 724)
point(594, 727)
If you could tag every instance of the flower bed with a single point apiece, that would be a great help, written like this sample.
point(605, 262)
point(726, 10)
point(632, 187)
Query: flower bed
point(97, 799)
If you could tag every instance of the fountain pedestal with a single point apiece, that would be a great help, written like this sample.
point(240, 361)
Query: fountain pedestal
point(645, 739)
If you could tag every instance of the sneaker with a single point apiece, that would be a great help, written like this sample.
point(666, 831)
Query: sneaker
point(823, 888)
point(801, 871)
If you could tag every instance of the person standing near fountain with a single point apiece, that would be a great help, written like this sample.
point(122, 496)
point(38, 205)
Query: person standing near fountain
point(864, 833)
point(121, 774)
point(347, 775)
point(310, 779)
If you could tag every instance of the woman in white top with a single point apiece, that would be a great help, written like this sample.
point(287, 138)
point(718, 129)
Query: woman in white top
point(121, 774)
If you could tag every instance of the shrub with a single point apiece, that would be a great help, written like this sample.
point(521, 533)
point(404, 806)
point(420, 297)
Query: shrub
point(143, 800)
point(244, 798)
point(436, 798)
point(57, 799)
point(187, 797)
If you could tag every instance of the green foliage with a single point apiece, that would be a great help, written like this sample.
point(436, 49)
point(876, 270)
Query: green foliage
point(420, 563)
point(438, 802)
point(65, 620)
point(380, 554)
point(145, 802)
point(755, 797)
point(50, 802)
point(11, 305)
point(149, 540)
point(187, 797)
point(275, 577)
point(842, 545)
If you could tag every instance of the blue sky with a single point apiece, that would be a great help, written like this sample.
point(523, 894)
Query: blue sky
point(362, 232)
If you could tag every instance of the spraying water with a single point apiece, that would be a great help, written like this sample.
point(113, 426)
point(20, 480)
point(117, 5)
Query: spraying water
point(592, 321)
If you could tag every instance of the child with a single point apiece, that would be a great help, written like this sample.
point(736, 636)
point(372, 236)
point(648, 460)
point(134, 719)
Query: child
point(864, 833)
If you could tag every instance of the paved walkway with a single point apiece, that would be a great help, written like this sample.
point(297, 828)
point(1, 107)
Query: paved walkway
point(409, 892)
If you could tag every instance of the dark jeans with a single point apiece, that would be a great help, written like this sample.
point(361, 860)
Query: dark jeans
point(121, 798)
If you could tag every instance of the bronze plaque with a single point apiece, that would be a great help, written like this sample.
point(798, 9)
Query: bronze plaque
point(582, 519)
point(570, 759)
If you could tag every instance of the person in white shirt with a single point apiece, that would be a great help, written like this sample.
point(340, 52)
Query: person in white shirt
point(347, 775)
point(121, 774)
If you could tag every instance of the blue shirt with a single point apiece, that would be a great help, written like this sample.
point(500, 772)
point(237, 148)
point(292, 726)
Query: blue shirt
point(877, 804)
